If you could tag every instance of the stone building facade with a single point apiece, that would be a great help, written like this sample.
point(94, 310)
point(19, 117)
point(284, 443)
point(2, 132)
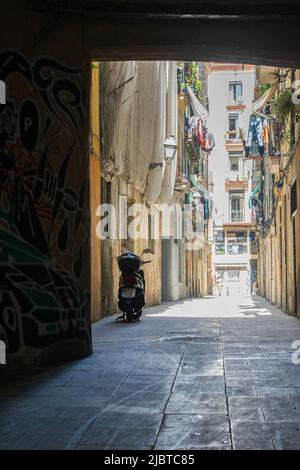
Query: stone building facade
point(278, 221)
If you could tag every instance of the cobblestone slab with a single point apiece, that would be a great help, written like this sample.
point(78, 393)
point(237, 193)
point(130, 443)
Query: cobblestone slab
point(203, 374)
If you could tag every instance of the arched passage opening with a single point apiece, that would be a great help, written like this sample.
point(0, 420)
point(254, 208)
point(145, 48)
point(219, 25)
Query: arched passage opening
point(50, 69)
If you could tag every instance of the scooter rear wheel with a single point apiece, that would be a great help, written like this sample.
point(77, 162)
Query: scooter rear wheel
point(134, 316)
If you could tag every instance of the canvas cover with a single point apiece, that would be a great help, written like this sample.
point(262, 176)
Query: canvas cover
point(139, 111)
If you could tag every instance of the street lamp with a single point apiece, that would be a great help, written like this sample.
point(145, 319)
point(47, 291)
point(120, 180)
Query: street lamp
point(170, 149)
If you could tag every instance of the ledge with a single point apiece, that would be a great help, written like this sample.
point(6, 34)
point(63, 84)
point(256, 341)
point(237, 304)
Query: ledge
point(236, 184)
point(231, 146)
point(237, 224)
point(235, 107)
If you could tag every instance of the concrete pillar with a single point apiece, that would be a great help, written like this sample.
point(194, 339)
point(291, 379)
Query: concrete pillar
point(170, 265)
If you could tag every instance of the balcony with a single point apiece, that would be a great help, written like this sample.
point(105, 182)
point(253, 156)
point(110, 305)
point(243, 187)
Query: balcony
point(233, 182)
point(235, 105)
point(181, 183)
point(231, 253)
point(233, 141)
point(233, 136)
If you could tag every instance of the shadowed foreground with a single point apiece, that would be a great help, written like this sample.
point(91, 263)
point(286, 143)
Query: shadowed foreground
point(213, 373)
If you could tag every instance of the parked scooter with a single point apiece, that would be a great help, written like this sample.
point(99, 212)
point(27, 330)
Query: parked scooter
point(131, 286)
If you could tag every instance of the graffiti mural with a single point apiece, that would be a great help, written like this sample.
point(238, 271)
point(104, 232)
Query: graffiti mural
point(44, 218)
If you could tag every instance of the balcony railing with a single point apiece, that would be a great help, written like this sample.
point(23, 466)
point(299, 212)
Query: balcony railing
point(233, 248)
point(235, 102)
point(236, 248)
point(237, 216)
point(233, 136)
point(232, 175)
point(220, 248)
point(234, 181)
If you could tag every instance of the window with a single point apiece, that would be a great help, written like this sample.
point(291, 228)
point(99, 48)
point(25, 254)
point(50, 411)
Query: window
point(234, 164)
point(236, 209)
point(233, 274)
point(236, 202)
point(234, 161)
point(233, 122)
point(235, 91)
point(237, 243)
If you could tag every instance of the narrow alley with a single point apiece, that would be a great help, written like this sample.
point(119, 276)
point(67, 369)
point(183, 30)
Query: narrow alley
point(150, 174)
point(212, 373)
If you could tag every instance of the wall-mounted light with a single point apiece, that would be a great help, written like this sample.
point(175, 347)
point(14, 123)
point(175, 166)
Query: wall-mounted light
point(170, 149)
point(153, 165)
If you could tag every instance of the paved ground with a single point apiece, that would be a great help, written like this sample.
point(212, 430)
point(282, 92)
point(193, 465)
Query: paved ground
point(202, 374)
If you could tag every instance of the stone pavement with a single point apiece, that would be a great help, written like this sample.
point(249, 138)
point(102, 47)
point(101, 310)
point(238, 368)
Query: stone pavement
point(213, 373)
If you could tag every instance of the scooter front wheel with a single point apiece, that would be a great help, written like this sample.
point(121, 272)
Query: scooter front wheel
point(121, 317)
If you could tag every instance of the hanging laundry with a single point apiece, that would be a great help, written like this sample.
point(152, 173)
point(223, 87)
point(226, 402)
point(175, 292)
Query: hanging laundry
point(254, 195)
point(212, 140)
point(206, 209)
point(199, 135)
point(203, 139)
point(266, 126)
point(255, 139)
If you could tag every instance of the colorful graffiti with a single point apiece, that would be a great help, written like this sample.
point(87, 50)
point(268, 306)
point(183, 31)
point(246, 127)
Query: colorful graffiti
point(44, 216)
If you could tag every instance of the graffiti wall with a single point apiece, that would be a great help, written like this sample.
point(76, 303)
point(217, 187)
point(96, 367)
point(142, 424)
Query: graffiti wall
point(44, 217)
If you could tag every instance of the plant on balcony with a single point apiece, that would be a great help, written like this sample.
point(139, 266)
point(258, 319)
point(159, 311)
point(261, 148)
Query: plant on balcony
point(192, 78)
point(220, 249)
point(283, 105)
point(284, 111)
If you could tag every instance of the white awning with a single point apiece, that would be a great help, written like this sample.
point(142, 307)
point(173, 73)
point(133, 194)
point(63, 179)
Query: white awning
point(262, 101)
point(197, 107)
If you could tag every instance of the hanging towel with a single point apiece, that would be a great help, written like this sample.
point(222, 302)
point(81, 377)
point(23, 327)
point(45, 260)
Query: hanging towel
point(255, 135)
